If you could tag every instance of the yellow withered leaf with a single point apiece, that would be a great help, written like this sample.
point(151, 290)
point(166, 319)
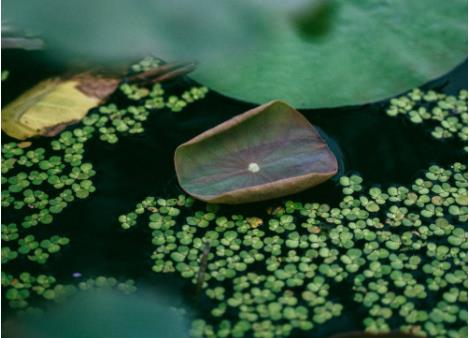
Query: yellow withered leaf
point(53, 104)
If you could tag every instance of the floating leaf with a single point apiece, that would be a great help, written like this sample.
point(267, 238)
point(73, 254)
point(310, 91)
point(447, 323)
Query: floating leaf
point(347, 53)
point(53, 104)
point(267, 152)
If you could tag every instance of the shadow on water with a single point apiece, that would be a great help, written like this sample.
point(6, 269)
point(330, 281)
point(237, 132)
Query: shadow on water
point(383, 150)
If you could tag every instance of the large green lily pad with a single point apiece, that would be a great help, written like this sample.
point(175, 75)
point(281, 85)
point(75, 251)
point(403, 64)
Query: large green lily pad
point(267, 152)
point(348, 52)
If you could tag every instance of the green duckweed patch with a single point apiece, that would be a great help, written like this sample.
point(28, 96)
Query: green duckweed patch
point(447, 112)
point(40, 182)
point(399, 250)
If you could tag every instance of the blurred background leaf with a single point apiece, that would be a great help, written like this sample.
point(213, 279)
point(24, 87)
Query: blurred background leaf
point(108, 31)
point(344, 52)
point(311, 53)
point(103, 313)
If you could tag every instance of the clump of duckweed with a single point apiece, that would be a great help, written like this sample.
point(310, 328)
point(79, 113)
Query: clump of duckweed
point(415, 258)
point(399, 252)
point(22, 290)
point(145, 64)
point(38, 183)
point(351, 184)
point(450, 112)
point(155, 98)
point(263, 301)
point(111, 120)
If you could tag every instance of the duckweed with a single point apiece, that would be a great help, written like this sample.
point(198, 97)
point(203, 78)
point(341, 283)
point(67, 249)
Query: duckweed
point(447, 112)
point(40, 182)
point(110, 120)
point(407, 268)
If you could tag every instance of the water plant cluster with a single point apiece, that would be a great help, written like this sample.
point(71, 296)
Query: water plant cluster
point(399, 253)
point(37, 185)
point(110, 120)
point(448, 112)
point(153, 98)
point(39, 182)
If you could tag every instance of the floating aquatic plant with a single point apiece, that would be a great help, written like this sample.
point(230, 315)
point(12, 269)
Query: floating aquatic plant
point(44, 181)
point(267, 152)
point(232, 246)
point(400, 251)
point(326, 59)
point(53, 104)
point(111, 120)
point(448, 112)
point(36, 186)
point(38, 183)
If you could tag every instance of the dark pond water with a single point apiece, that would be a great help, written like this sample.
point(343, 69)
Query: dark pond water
point(383, 150)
